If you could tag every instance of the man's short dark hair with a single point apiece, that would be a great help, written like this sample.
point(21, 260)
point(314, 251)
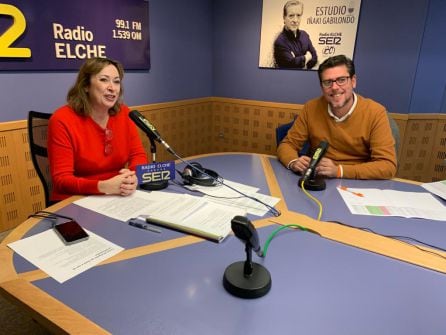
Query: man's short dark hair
point(291, 3)
point(336, 61)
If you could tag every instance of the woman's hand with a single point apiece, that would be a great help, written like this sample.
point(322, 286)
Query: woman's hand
point(124, 183)
point(129, 183)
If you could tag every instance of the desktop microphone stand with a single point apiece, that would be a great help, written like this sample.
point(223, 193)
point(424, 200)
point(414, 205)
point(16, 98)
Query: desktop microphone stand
point(154, 185)
point(246, 279)
point(312, 183)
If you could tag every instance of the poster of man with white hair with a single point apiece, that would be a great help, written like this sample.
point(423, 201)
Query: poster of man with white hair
point(301, 34)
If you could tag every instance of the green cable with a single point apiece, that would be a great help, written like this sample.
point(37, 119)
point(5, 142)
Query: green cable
point(271, 236)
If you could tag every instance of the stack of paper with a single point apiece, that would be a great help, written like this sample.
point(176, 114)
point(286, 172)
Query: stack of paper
point(183, 212)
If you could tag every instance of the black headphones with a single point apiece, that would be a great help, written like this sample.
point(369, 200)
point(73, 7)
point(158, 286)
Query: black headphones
point(194, 173)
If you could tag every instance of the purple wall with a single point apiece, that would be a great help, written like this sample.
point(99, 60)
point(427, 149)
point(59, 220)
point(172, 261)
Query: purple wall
point(429, 94)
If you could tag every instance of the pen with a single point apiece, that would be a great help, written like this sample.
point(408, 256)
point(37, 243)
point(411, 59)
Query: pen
point(144, 226)
point(355, 193)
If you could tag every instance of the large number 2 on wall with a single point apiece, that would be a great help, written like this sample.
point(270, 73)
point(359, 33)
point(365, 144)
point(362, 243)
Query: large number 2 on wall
point(13, 33)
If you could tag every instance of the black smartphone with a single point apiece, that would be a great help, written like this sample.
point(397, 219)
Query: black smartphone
point(71, 232)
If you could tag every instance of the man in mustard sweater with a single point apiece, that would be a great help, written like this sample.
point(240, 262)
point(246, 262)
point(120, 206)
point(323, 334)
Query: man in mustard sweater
point(361, 145)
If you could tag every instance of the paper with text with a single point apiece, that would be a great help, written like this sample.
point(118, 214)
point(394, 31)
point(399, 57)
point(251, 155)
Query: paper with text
point(62, 262)
point(180, 211)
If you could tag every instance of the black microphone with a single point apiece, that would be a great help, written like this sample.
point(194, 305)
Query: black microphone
point(317, 156)
point(247, 279)
point(148, 128)
point(245, 231)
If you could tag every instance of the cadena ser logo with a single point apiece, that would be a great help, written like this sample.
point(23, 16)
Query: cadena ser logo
point(155, 172)
point(329, 42)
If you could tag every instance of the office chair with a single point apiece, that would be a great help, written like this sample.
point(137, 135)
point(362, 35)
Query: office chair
point(395, 133)
point(281, 132)
point(38, 135)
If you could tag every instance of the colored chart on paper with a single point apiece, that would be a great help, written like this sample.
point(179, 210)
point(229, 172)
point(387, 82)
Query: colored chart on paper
point(378, 210)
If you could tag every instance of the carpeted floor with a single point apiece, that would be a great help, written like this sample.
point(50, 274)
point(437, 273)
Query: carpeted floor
point(14, 321)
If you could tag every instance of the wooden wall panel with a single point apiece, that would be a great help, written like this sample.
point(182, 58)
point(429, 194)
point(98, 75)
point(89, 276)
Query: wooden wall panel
point(184, 125)
point(438, 159)
point(249, 126)
point(21, 190)
point(417, 150)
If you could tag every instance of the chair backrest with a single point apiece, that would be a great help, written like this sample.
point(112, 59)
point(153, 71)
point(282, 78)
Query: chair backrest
point(395, 133)
point(38, 135)
point(281, 132)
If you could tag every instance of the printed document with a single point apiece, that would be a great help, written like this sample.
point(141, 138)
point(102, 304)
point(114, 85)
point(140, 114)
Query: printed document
point(437, 188)
point(195, 215)
point(124, 208)
point(393, 203)
point(62, 262)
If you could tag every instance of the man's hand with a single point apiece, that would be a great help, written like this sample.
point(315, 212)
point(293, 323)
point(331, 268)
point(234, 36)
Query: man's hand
point(327, 168)
point(301, 164)
point(308, 57)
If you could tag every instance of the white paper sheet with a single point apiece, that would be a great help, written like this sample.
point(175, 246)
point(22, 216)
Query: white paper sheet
point(124, 208)
point(437, 188)
point(177, 210)
point(62, 262)
point(393, 203)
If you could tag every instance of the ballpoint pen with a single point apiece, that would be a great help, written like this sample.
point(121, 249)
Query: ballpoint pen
point(140, 225)
point(345, 188)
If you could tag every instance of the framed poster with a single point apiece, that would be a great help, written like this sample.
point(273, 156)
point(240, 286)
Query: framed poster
point(60, 35)
point(301, 34)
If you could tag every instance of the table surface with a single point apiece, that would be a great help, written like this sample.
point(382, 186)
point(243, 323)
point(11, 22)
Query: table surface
point(347, 281)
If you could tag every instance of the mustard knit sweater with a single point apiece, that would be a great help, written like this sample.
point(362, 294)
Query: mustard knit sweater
point(363, 143)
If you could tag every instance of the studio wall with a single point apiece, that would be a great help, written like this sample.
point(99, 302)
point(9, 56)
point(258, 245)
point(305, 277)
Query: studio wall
point(430, 81)
point(398, 56)
point(202, 48)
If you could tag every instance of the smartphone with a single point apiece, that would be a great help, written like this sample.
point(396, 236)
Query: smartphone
point(71, 232)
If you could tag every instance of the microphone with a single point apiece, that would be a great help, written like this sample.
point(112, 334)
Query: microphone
point(148, 128)
point(308, 180)
point(152, 133)
point(245, 231)
point(247, 279)
point(317, 156)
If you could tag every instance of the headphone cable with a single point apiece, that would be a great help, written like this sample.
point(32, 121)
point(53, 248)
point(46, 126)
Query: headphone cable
point(275, 212)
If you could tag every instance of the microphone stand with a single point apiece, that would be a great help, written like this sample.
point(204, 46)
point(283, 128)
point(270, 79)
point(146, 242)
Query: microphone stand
point(248, 267)
point(312, 183)
point(246, 279)
point(152, 148)
point(154, 185)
